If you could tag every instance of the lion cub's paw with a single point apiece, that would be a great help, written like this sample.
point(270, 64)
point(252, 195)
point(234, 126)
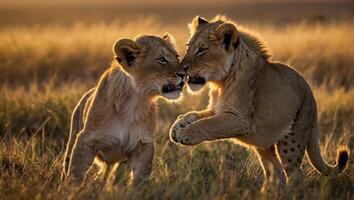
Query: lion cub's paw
point(188, 137)
point(181, 122)
point(183, 139)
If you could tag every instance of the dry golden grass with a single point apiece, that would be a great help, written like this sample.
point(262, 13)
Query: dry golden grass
point(322, 52)
point(44, 70)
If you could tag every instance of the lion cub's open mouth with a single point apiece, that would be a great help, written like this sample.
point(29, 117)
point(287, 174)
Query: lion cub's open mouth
point(172, 91)
point(170, 87)
point(196, 83)
point(197, 80)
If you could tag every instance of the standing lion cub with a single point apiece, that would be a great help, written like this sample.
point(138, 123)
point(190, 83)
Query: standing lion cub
point(115, 121)
point(262, 104)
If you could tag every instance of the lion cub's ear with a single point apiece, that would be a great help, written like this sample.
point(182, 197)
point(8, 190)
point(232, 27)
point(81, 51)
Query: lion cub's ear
point(197, 23)
point(227, 34)
point(169, 38)
point(126, 51)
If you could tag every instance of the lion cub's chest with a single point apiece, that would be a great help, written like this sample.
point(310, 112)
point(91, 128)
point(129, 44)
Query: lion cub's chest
point(124, 134)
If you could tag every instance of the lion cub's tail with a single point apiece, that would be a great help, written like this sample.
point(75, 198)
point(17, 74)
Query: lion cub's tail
point(314, 155)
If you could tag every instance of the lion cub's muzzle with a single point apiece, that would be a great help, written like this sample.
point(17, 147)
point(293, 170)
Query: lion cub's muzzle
point(178, 86)
point(170, 87)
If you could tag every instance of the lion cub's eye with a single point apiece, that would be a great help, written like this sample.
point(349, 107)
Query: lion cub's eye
point(162, 60)
point(201, 51)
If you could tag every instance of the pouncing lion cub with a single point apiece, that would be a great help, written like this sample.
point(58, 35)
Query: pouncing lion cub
point(262, 104)
point(115, 121)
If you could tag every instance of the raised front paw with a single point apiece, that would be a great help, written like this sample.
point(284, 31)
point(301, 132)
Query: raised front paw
point(186, 136)
point(183, 138)
point(181, 122)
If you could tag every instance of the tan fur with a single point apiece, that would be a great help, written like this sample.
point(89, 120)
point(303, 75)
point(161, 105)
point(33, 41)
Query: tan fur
point(261, 104)
point(115, 121)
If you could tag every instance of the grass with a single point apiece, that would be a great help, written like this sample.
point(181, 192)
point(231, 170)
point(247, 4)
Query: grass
point(45, 69)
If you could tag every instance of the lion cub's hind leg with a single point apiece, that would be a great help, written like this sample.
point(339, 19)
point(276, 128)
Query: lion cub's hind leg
point(272, 168)
point(82, 158)
point(291, 151)
point(76, 125)
point(291, 148)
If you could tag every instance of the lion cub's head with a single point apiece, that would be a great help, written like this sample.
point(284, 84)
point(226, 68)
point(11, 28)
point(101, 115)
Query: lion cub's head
point(210, 51)
point(153, 64)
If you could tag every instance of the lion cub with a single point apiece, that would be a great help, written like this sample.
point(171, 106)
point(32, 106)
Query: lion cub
point(262, 104)
point(115, 121)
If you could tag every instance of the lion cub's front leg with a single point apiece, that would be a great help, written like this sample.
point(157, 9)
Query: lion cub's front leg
point(190, 117)
point(186, 119)
point(216, 127)
point(141, 163)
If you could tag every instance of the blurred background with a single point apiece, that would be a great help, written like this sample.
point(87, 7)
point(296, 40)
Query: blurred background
point(51, 52)
point(65, 37)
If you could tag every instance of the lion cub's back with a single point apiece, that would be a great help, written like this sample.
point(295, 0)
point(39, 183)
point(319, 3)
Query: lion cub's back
point(294, 78)
point(280, 92)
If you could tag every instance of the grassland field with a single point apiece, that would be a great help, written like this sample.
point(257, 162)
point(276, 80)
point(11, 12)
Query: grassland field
point(46, 67)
